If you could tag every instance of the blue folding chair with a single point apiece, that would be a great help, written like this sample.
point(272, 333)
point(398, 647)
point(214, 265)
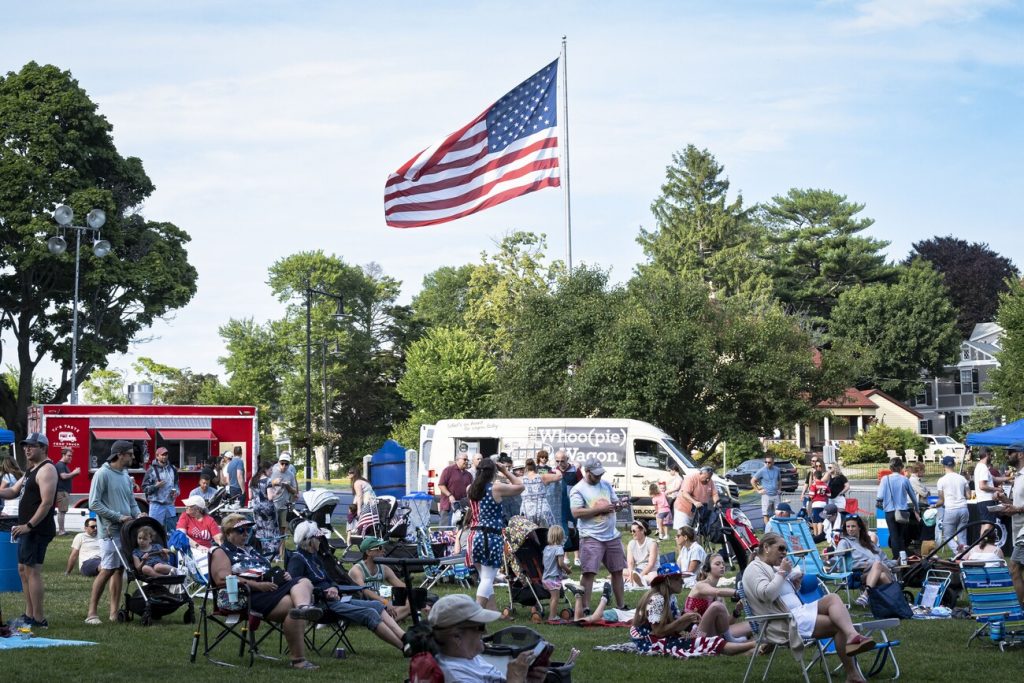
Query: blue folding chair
point(803, 552)
point(993, 603)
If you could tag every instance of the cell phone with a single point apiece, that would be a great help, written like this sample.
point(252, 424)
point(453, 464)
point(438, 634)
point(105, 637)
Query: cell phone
point(542, 654)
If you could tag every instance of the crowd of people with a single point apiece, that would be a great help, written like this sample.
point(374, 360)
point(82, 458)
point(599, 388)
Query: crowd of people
point(575, 504)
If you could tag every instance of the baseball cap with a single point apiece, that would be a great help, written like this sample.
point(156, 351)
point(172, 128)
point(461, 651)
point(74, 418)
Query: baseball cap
point(285, 455)
point(666, 571)
point(949, 461)
point(831, 509)
point(593, 466)
point(196, 501)
point(785, 507)
point(121, 446)
point(161, 451)
point(371, 542)
point(36, 439)
point(458, 608)
point(307, 530)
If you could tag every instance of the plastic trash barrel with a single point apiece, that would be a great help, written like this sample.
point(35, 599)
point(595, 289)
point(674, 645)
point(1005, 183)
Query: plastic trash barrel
point(10, 581)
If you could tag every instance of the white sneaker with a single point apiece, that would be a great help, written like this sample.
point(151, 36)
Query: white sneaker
point(862, 601)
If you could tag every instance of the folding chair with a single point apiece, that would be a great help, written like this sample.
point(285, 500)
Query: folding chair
point(337, 634)
point(759, 627)
point(803, 553)
point(430, 542)
point(240, 625)
point(933, 588)
point(993, 601)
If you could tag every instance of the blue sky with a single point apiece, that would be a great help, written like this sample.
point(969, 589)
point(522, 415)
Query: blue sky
point(270, 127)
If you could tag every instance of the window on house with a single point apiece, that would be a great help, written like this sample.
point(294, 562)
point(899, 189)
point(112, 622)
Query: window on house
point(966, 381)
point(925, 426)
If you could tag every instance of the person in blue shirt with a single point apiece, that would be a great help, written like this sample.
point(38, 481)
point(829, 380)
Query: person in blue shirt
point(896, 493)
point(767, 480)
point(236, 475)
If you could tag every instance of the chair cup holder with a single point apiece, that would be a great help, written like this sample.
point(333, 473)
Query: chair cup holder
point(401, 595)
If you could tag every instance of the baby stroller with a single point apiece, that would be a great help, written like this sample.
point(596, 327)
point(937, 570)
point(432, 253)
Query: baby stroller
point(152, 598)
point(317, 505)
point(524, 567)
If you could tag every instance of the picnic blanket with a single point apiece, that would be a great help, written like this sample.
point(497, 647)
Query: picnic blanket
point(15, 643)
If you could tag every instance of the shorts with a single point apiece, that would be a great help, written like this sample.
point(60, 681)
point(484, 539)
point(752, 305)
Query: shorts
point(1018, 554)
point(594, 553)
point(263, 603)
point(681, 519)
point(63, 498)
point(818, 515)
point(32, 548)
point(552, 585)
point(665, 517)
point(769, 503)
point(984, 514)
point(109, 547)
point(90, 567)
point(364, 612)
point(282, 517)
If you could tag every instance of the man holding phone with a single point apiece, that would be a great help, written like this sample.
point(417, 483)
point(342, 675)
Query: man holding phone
point(593, 502)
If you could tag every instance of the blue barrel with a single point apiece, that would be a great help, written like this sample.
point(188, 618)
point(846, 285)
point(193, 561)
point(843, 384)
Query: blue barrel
point(10, 581)
point(882, 528)
point(387, 470)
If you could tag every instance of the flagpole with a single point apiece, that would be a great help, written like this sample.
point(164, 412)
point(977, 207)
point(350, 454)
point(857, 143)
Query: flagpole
point(565, 157)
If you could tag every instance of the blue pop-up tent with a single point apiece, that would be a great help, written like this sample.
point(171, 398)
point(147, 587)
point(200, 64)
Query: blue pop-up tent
point(1006, 436)
point(6, 436)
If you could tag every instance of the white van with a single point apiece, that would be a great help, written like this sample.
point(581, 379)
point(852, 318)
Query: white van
point(634, 453)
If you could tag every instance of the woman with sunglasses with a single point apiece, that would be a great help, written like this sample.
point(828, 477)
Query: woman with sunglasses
point(768, 588)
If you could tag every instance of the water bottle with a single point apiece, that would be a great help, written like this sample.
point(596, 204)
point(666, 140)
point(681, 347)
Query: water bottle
point(903, 558)
point(995, 631)
point(232, 585)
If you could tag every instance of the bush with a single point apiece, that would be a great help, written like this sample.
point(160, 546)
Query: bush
point(740, 447)
point(872, 444)
point(786, 450)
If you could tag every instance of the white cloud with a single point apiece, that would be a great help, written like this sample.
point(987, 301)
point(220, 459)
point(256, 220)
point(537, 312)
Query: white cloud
point(883, 15)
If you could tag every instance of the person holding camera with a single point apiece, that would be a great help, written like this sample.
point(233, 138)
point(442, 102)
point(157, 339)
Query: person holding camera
point(273, 593)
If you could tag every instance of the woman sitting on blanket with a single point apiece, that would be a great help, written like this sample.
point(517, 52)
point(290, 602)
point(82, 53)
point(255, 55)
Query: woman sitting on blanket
point(706, 598)
point(660, 628)
point(864, 557)
point(768, 586)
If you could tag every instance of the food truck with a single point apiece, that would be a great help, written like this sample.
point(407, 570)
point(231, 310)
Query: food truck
point(193, 435)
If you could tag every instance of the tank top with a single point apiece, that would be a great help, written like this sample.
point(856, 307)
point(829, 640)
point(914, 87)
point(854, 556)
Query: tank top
point(374, 581)
point(32, 498)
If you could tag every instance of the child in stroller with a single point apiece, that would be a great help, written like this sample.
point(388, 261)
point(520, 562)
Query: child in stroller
point(150, 559)
point(152, 598)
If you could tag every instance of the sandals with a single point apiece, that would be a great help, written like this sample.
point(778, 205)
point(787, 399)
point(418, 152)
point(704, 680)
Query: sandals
point(93, 621)
point(859, 644)
point(304, 664)
point(306, 612)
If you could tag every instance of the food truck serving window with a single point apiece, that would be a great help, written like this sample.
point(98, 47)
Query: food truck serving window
point(100, 444)
point(187, 449)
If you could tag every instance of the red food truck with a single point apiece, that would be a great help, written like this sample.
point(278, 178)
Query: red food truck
point(192, 435)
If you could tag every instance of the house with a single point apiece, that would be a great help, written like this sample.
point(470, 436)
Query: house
point(948, 400)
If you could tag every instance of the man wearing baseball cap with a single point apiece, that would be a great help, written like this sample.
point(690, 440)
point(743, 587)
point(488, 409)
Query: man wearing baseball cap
point(283, 488)
point(458, 624)
point(35, 528)
point(593, 503)
point(782, 511)
point(110, 497)
point(953, 492)
point(366, 572)
point(160, 484)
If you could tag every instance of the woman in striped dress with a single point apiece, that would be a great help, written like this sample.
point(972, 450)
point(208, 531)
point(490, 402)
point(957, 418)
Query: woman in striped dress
point(484, 545)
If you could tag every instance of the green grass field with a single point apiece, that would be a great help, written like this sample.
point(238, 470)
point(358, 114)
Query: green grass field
point(931, 650)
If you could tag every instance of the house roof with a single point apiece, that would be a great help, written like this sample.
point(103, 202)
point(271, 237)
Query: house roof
point(851, 398)
point(895, 402)
point(982, 330)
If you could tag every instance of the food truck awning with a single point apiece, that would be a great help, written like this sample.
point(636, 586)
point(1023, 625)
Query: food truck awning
point(188, 435)
point(121, 434)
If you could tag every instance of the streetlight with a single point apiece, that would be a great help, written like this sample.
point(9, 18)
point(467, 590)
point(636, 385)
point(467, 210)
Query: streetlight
point(57, 246)
point(310, 291)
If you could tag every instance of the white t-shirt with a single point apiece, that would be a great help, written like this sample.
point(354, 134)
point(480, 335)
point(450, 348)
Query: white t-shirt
point(1017, 500)
point(88, 547)
point(640, 553)
point(688, 555)
point(982, 475)
point(476, 670)
point(953, 488)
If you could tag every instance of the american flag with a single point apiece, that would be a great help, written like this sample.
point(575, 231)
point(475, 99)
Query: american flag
point(507, 151)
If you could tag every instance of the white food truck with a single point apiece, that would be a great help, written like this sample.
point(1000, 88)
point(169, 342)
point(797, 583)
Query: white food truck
point(634, 453)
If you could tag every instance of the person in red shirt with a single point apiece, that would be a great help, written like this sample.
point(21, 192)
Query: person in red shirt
point(201, 528)
point(453, 485)
point(819, 493)
point(696, 492)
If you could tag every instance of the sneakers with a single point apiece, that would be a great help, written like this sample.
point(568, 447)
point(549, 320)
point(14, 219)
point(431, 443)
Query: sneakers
point(862, 600)
point(606, 592)
point(40, 624)
point(306, 612)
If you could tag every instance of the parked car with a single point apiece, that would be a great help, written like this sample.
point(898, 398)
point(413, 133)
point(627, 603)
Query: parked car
point(748, 468)
point(940, 446)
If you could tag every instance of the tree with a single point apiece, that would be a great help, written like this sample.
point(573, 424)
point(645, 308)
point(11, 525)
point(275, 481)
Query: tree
point(55, 148)
point(444, 298)
point(974, 274)
point(448, 376)
point(701, 234)
point(105, 387)
point(1007, 381)
point(818, 251)
point(906, 328)
point(180, 386)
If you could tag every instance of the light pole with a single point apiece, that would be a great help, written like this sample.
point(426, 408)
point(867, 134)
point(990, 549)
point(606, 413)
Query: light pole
point(310, 291)
point(58, 245)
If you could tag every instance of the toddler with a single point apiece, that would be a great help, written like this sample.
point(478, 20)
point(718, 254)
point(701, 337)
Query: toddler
point(662, 510)
point(149, 558)
point(555, 569)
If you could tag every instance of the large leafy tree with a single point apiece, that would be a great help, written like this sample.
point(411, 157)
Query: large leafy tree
point(974, 274)
point(56, 149)
point(819, 251)
point(701, 233)
point(444, 298)
point(905, 327)
point(1007, 381)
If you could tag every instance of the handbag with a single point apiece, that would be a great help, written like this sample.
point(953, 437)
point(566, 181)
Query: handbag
point(901, 516)
point(887, 601)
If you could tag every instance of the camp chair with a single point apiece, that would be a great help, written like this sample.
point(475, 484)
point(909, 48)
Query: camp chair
point(933, 588)
point(803, 553)
point(993, 600)
point(241, 625)
point(438, 543)
point(758, 626)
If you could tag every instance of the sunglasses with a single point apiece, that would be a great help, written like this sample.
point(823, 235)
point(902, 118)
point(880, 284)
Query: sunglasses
point(90, 526)
point(473, 626)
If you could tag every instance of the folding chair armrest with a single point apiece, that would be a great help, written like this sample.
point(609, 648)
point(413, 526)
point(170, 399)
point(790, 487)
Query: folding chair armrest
point(802, 552)
point(844, 551)
point(877, 624)
point(770, 617)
